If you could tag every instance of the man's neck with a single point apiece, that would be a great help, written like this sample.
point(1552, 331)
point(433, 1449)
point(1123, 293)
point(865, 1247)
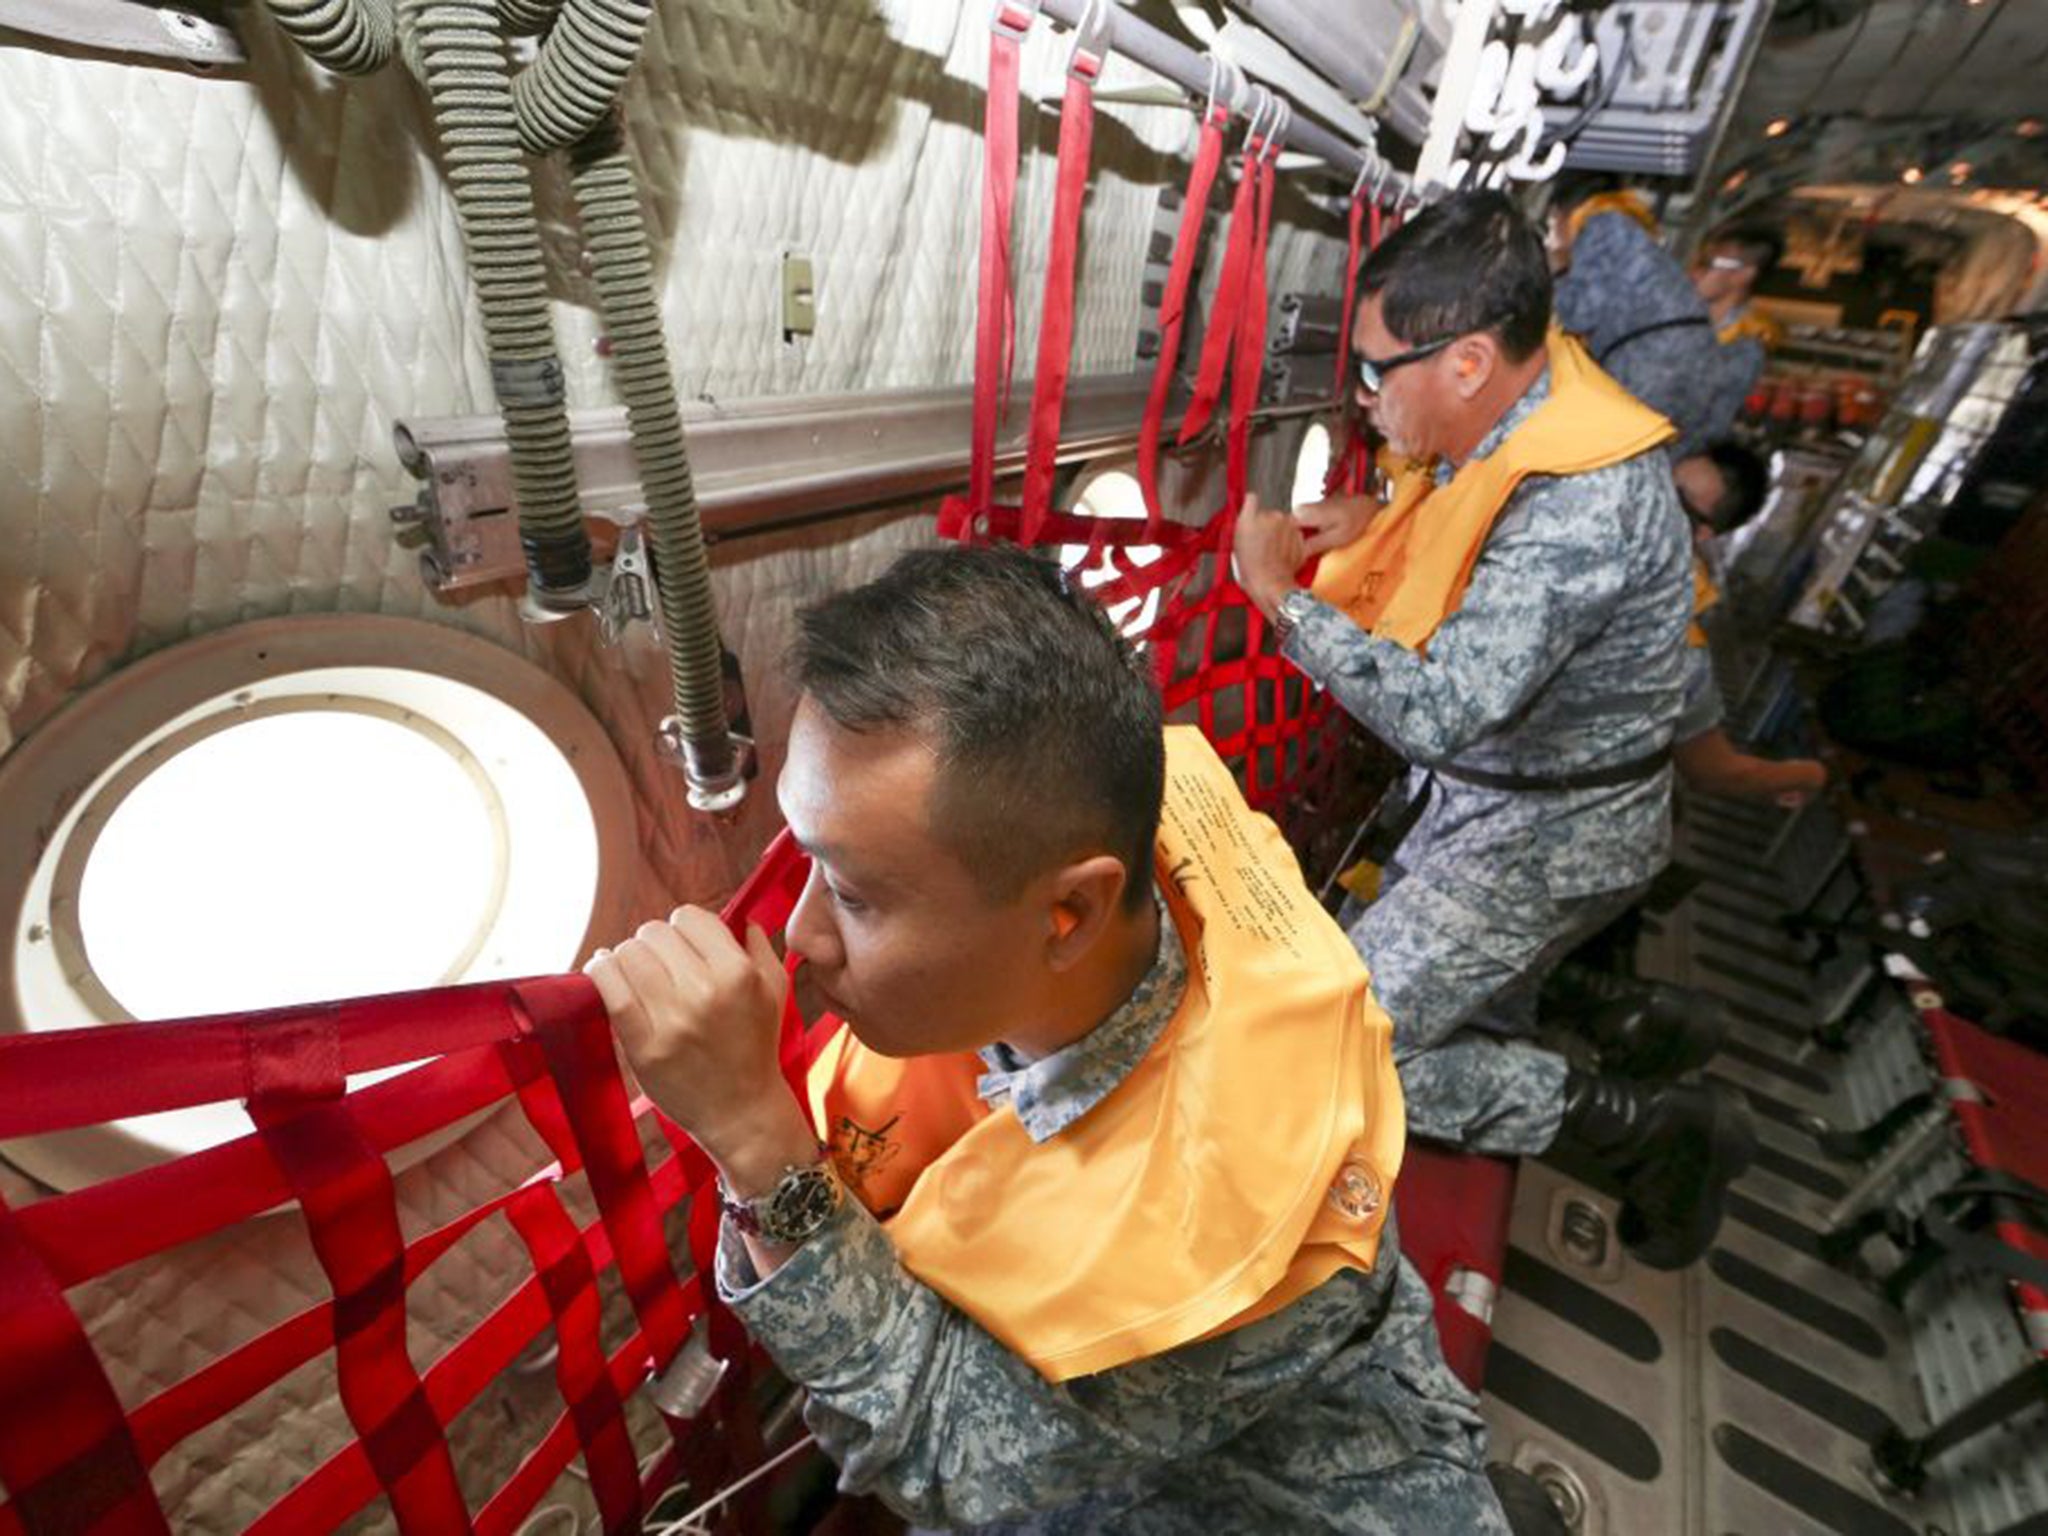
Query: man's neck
point(1726, 308)
point(1500, 396)
point(1100, 987)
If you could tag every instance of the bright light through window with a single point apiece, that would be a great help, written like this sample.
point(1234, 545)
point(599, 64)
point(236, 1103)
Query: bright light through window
point(1114, 494)
point(1311, 465)
point(306, 854)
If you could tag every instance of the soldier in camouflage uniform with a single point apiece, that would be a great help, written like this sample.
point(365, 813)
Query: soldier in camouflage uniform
point(1334, 1412)
point(1563, 662)
point(1637, 311)
point(1725, 277)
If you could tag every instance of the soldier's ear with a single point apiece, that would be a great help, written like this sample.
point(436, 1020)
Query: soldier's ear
point(1473, 361)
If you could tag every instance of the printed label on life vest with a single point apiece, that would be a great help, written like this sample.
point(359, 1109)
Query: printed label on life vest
point(1210, 840)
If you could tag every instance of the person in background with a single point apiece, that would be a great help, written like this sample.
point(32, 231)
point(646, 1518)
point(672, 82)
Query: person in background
point(1636, 310)
point(1098, 1235)
point(1721, 490)
point(1726, 276)
point(1513, 623)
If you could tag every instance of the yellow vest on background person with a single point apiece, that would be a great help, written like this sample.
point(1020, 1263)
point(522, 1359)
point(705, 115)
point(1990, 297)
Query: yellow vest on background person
point(1245, 1160)
point(1749, 321)
point(1628, 204)
point(1704, 595)
point(1408, 571)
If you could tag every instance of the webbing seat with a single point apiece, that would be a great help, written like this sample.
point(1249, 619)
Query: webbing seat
point(74, 1457)
point(1453, 1209)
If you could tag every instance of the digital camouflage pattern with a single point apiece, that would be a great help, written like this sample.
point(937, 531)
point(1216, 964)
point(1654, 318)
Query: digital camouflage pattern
point(1311, 1419)
point(1621, 280)
point(1568, 653)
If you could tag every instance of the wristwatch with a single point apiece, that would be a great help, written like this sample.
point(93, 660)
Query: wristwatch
point(801, 1202)
point(1288, 613)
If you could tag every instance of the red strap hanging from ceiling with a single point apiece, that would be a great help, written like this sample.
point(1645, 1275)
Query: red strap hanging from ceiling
point(1173, 308)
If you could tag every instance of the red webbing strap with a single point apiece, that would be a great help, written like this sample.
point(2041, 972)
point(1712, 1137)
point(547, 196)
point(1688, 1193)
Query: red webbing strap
point(340, 1485)
point(1217, 343)
point(1173, 310)
point(595, 1407)
point(1248, 365)
point(575, 1035)
point(994, 318)
point(67, 1457)
point(1354, 241)
point(60, 1079)
point(346, 1194)
point(1056, 322)
point(93, 1231)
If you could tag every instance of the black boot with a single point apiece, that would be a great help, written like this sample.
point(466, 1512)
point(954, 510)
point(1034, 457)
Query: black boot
point(1657, 1031)
point(1675, 1151)
point(1523, 1501)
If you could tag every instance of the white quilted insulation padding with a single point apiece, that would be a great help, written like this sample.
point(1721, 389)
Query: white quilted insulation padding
point(217, 293)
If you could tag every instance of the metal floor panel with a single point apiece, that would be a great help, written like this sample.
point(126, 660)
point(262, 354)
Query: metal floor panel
point(1769, 1370)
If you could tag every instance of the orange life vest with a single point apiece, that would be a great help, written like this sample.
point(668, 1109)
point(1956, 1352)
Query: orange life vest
point(1704, 595)
point(1244, 1161)
point(1408, 571)
point(1751, 322)
point(1626, 203)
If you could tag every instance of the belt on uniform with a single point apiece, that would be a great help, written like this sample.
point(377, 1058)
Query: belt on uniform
point(1634, 771)
point(1677, 322)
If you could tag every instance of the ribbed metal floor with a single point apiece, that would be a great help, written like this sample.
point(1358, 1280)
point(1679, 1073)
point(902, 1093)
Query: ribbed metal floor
point(1734, 1398)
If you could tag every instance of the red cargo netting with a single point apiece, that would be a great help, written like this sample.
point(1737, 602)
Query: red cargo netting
point(74, 1459)
point(1209, 645)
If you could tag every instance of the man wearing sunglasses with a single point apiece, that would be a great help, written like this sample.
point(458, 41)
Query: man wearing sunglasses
point(1513, 622)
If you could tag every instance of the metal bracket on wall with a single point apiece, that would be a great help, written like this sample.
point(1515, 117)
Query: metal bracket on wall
point(757, 464)
point(192, 32)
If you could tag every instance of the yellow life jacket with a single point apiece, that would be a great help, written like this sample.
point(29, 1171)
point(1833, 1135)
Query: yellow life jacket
point(1704, 595)
point(1750, 321)
point(1408, 571)
point(1628, 204)
point(1245, 1160)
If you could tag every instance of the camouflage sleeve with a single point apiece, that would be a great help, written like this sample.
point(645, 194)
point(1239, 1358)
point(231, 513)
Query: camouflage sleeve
point(920, 1405)
point(1547, 580)
point(1702, 710)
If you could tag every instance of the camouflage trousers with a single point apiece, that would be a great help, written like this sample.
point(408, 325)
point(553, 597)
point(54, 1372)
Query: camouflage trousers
point(1457, 967)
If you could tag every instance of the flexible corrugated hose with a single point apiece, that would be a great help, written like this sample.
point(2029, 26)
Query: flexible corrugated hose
point(567, 100)
point(462, 55)
point(350, 37)
point(622, 265)
point(575, 82)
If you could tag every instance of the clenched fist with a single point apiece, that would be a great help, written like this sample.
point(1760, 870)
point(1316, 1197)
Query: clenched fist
point(699, 1016)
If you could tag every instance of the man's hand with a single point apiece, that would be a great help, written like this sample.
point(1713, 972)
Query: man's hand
point(700, 1017)
point(1269, 550)
point(1335, 521)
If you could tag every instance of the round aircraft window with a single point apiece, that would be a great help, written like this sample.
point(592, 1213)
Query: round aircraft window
point(1114, 493)
point(292, 811)
point(1311, 465)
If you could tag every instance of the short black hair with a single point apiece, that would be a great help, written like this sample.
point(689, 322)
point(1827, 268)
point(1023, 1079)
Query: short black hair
point(1759, 245)
point(1468, 263)
point(1046, 723)
point(1745, 485)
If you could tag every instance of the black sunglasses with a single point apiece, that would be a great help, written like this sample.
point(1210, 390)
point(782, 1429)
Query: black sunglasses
point(1373, 371)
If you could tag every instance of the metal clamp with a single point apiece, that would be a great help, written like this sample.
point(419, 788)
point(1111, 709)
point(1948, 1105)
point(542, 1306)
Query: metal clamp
point(628, 586)
point(1093, 33)
point(1012, 18)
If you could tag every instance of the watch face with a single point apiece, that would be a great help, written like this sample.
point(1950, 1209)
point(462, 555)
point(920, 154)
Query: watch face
point(800, 1204)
